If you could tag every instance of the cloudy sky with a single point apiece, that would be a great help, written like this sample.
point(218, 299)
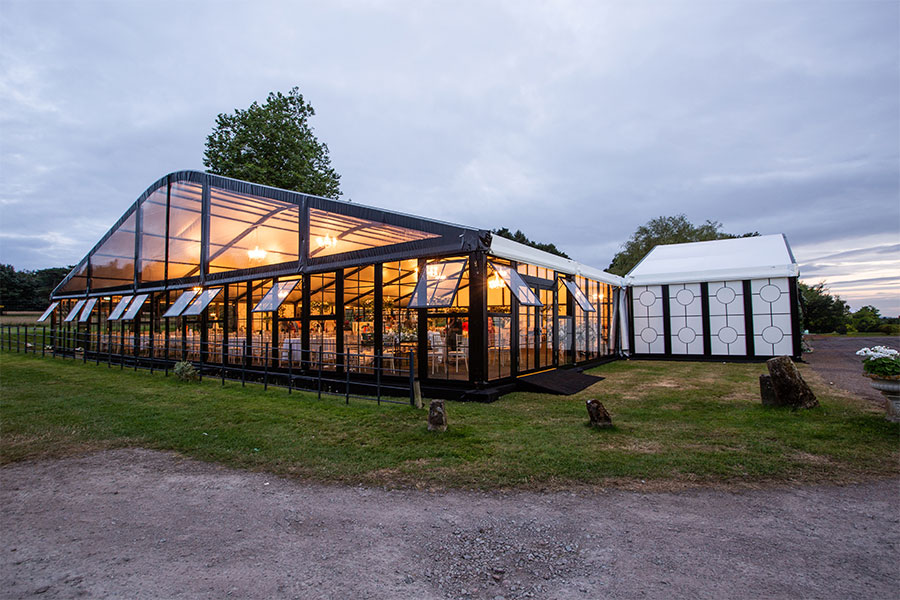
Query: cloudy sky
point(575, 122)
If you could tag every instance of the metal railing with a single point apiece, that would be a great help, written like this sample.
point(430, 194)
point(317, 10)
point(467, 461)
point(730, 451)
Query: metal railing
point(381, 378)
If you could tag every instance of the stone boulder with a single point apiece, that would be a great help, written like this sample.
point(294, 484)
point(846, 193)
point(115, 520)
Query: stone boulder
point(789, 387)
point(437, 416)
point(597, 413)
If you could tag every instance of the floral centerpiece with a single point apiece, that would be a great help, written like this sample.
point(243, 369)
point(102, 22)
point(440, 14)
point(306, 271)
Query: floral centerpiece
point(882, 365)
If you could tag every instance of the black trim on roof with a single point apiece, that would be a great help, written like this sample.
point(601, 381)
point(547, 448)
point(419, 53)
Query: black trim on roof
point(452, 238)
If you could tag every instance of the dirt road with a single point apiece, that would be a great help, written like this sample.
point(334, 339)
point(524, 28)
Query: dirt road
point(144, 524)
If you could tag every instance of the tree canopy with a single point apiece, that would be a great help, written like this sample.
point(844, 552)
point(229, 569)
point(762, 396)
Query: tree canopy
point(520, 237)
point(665, 230)
point(273, 144)
point(822, 312)
point(28, 290)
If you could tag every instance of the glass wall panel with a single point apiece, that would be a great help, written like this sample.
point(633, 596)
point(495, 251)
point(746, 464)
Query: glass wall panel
point(236, 321)
point(261, 324)
point(289, 323)
point(249, 231)
point(112, 264)
point(565, 325)
point(332, 233)
point(499, 322)
point(185, 224)
point(322, 327)
point(499, 330)
point(153, 237)
point(359, 317)
point(399, 332)
point(448, 346)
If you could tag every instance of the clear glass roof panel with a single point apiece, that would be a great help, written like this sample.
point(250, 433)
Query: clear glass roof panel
point(87, 310)
point(135, 306)
point(74, 312)
point(250, 231)
point(438, 284)
point(112, 264)
point(273, 299)
point(119, 310)
point(78, 281)
point(185, 224)
point(523, 293)
point(180, 304)
point(579, 296)
point(48, 312)
point(202, 301)
point(332, 233)
point(152, 265)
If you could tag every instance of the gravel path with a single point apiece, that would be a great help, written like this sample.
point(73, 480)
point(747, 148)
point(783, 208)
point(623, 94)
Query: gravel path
point(142, 524)
point(834, 358)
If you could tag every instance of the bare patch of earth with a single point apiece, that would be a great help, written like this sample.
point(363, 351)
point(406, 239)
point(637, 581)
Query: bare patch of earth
point(142, 524)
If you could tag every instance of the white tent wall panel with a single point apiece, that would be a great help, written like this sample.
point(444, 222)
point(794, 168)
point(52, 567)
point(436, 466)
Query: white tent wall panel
point(647, 308)
point(686, 318)
point(772, 331)
point(726, 318)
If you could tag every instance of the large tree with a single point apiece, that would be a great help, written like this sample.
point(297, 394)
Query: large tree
point(273, 144)
point(520, 237)
point(867, 318)
point(822, 312)
point(665, 230)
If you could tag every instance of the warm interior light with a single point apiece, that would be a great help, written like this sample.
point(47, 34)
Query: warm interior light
point(256, 253)
point(198, 289)
point(282, 294)
point(434, 272)
point(495, 282)
point(327, 241)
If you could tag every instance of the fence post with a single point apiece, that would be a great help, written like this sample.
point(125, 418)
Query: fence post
point(412, 379)
point(378, 363)
point(266, 367)
point(243, 364)
point(17, 339)
point(200, 370)
point(43, 342)
point(320, 370)
point(224, 360)
point(152, 358)
point(347, 377)
point(290, 367)
point(26, 339)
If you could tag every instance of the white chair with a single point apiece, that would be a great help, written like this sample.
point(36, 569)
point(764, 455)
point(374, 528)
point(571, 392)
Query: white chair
point(461, 352)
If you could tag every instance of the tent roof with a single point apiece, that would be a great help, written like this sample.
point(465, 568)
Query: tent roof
point(511, 250)
point(717, 260)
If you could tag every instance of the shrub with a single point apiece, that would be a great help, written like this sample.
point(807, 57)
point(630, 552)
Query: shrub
point(185, 371)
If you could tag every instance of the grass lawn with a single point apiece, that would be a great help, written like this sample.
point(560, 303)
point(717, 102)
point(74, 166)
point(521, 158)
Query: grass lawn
point(677, 424)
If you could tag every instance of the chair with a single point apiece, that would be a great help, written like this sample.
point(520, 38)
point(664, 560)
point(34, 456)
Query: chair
point(461, 352)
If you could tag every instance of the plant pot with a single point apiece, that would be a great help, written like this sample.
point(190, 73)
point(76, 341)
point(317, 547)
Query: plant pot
point(890, 389)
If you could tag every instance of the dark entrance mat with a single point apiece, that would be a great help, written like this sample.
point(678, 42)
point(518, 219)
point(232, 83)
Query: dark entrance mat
point(563, 382)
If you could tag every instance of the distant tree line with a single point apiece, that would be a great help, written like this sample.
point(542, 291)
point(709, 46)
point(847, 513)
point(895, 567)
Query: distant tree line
point(826, 313)
point(28, 290)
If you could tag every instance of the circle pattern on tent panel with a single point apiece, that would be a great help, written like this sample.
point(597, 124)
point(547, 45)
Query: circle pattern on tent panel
point(686, 335)
point(769, 293)
point(728, 335)
point(684, 297)
point(649, 335)
point(725, 295)
point(772, 334)
point(647, 298)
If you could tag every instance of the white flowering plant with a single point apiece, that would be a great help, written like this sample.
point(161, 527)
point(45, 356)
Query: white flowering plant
point(880, 361)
